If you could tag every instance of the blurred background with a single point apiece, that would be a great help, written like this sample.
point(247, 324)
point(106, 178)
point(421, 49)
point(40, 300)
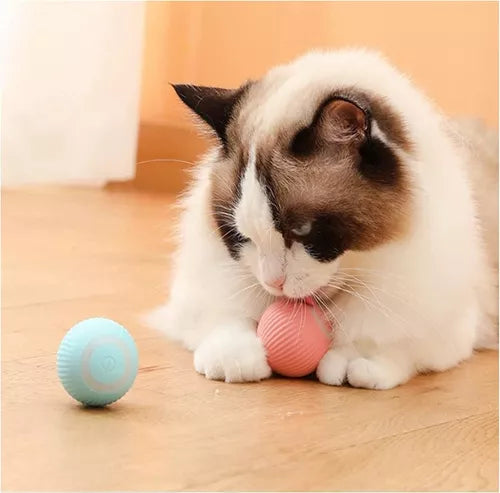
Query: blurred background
point(85, 84)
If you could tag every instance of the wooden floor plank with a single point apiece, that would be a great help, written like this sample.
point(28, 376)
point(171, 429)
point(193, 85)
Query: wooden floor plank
point(71, 254)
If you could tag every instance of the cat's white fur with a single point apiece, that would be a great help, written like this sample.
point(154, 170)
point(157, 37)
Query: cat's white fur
point(422, 303)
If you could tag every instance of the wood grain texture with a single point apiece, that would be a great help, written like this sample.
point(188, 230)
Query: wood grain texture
point(72, 254)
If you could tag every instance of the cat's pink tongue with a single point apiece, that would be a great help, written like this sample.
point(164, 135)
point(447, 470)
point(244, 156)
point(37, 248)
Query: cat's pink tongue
point(309, 300)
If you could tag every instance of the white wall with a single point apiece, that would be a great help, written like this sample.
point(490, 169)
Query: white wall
point(71, 92)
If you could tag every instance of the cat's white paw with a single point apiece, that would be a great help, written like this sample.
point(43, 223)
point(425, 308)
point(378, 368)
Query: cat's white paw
point(232, 356)
point(373, 374)
point(332, 368)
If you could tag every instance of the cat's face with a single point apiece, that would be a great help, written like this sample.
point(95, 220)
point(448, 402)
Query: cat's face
point(306, 172)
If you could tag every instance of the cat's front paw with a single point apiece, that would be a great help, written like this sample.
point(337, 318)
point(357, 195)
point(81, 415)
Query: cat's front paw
point(381, 371)
point(332, 369)
point(232, 356)
point(374, 374)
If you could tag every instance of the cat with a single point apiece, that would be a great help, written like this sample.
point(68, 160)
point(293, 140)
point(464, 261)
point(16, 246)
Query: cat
point(333, 176)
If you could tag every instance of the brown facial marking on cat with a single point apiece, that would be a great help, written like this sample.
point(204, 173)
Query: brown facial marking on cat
point(347, 211)
point(353, 189)
point(350, 185)
point(225, 192)
point(390, 123)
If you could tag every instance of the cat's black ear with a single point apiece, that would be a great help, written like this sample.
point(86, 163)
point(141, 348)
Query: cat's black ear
point(212, 104)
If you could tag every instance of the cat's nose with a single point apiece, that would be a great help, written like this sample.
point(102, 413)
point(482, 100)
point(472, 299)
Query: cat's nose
point(277, 283)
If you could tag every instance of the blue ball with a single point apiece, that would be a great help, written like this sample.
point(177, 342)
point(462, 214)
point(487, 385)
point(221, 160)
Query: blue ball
point(97, 361)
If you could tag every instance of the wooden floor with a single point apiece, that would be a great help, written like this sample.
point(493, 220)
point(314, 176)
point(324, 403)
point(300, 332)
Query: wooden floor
point(73, 254)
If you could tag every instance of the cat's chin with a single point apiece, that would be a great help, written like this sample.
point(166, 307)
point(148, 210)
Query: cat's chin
point(280, 293)
point(304, 297)
point(277, 293)
point(314, 296)
point(297, 293)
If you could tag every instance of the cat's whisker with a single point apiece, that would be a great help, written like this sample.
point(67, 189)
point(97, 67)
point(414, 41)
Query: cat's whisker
point(372, 288)
point(158, 160)
point(391, 276)
point(412, 306)
point(366, 285)
point(243, 290)
point(337, 324)
point(366, 301)
point(398, 321)
point(323, 306)
point(326, 301)
point(339, 311)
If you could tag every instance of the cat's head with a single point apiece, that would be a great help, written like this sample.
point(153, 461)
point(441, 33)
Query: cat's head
point(310, 167)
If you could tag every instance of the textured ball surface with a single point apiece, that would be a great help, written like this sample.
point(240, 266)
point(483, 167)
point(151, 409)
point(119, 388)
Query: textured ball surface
point(296, 336)
point(97, 361)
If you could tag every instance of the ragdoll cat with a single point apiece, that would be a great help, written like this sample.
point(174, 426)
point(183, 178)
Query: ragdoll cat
point(335, 177)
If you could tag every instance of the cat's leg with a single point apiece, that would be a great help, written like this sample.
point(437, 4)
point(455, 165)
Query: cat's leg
point(202, 291)
point(222, 336)
point(233, 353)
point(454, 342)
point(212, 310)
point(373, 348)
point(225, 348)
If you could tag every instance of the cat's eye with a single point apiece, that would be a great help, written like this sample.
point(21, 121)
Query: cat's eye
point(303, 229)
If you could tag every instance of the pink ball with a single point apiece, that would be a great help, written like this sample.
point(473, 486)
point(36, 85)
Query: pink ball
point(296, 335)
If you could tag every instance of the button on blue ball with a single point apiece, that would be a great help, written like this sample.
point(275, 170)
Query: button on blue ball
point(97, 361)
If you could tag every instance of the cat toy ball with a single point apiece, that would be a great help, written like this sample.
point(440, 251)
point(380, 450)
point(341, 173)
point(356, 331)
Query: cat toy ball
point(296, 335)
point(97, 361)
